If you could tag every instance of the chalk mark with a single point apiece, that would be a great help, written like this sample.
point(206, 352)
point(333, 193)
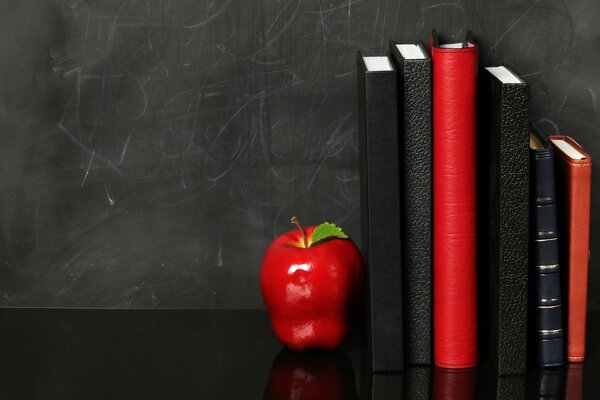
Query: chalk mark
point(110, 200)
point(209, 18)
point(87, 172)
point(86, 149)
point(510, 28)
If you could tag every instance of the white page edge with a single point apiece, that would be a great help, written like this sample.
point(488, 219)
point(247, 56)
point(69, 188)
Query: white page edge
point(411, 51)
point(378, 63)
point(568, 149)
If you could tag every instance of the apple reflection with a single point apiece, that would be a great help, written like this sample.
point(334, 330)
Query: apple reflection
point(312, 375)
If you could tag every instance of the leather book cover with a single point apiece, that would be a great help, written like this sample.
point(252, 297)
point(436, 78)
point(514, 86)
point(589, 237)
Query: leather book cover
point(546, 304)
point(414, 92)
point(380, 209)
point(454, 203)
point(505, 130)
point(573, 168)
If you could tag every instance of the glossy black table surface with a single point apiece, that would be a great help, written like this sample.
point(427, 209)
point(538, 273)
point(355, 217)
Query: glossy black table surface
point(195, 354)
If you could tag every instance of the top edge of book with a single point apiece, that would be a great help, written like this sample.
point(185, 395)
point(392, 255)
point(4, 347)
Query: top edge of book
point(378, 63)
point(535, 142)
point(411, 51)
point(504, 74)
point(568, 149)
point(457, 45)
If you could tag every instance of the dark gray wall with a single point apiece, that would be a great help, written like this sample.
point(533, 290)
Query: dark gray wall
point(151, 150)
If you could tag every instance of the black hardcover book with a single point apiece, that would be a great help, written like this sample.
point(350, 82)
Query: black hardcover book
point(504, 122)
point(380, 209)
point(414, 93)
point(545, 272)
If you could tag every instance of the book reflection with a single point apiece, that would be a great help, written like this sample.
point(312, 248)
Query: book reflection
point(414, 383)
point(574, 382)
point(558, 383)
point(450, 384)
point(330, 375)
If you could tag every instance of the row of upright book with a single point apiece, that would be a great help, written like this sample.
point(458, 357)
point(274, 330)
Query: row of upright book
point(459, 205)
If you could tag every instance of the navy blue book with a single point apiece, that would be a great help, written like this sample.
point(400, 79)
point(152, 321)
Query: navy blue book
point(545, 271)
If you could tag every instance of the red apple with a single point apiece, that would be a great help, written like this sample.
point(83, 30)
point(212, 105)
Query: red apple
point(311, 280)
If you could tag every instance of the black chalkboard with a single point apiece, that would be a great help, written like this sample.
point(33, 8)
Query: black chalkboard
point(152, 149)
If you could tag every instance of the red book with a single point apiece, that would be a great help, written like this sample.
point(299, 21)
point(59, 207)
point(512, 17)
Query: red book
point(574, 180)
point(454, 203)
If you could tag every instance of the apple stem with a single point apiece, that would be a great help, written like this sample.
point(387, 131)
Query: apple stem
point(297, 223)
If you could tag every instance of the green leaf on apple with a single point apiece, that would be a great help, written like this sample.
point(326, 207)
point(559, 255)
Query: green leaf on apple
point(326, 231)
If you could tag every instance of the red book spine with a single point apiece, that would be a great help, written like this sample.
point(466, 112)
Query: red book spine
point(454, 205)
point(575, 179)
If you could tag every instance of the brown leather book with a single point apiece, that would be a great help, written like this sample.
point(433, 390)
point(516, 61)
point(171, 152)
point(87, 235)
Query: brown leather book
point(573, 180)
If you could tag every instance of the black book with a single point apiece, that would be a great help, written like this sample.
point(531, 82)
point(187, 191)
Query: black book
point(545, 272)
point(504, 119)
point(380, 209)
point(414, 94)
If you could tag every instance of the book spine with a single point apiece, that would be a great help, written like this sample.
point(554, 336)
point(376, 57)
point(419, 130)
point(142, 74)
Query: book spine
point(380, 214)
point(416, 217)
point(454, 207)
point(545, 261)
point(417, 208)
point(579, 228)
point(574, 177)
point(509, 222)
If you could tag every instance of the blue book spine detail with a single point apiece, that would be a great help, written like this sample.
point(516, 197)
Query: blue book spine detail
point(544, 256)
